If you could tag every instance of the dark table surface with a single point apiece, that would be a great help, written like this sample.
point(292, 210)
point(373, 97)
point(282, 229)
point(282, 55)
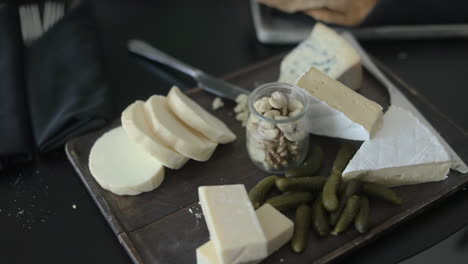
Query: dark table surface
point(47, 214)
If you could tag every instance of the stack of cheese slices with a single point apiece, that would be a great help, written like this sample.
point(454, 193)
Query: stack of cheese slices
point(398, 148)
point(161, 132)
point(238, 233)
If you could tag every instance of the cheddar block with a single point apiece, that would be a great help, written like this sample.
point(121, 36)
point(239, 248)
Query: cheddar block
point(278, 230)
point(198, 118)
point(136, 122)
point(122, 167)
point(233, 224)
point(176, 134)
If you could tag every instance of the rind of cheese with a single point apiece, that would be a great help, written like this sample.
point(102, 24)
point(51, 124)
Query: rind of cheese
point(233, 224)
point(277, 227)
point(176, 134)
point(136, 122)
point(198, 118)
point(403, 152)
point(327, 51)
point(354, 106)
point(122, 167)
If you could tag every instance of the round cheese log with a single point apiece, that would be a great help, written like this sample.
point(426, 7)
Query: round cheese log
point(122, 167)
point(176, 134)
point(198, 118)
point(137, 124)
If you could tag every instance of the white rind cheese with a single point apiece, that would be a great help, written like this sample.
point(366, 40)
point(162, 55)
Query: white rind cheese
point(137, 124)
point(277, 227)
point(232, 222)
point(198, 118)
point(337, 111)
point(327, 51)
point(176, 134)
point(122, 167)
point(403, 152)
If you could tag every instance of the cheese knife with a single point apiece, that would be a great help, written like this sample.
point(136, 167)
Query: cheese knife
point(398, 99)
point(205, 81)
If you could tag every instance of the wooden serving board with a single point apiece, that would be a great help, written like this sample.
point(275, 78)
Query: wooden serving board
point(167, 225)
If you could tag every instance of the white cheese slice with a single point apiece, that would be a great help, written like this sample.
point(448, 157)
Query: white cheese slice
point(403, 152)
point(277, 227)
point(327, 51)
point(198, 118)
point(337, 111)
point(137, 124)
point(122, 167)
point(232, 222)
point(176, 134)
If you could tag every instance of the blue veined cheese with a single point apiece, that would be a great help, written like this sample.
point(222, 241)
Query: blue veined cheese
point(327, 51)
point(234, 228)
point(277, 227)
point(403, 152)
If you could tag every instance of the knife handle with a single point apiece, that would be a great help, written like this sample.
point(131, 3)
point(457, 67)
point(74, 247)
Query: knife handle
point(147, 51)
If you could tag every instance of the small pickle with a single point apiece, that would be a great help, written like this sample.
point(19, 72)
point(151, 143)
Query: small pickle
point(381, 192)
point(361, 223)
point(310, 166)
point(301, 228)
point(352, 187)
point(300, 184)
point(348, 215)
point(258, 193)
point(331, 187)
point(290, 200)
point(319, 218)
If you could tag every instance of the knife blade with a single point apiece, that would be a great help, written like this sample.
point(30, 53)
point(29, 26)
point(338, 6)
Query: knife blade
point(205, 81)
point(398, 99)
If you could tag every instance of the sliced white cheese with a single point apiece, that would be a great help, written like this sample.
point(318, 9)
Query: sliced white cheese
point(337, 111)
point(277, 227)
point(176, 134)
point(137, 124)
point(122, 167)
point(327, 51)
point(403, 152)
point(198, 118)
point(232, 222)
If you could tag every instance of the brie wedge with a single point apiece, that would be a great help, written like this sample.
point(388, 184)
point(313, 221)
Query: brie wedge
point(337, 111)
point(122, 167)
point(198, 118)
point(277, 227)
point(176, 134)
point(327, 51)
point(137, 124)
point(403, 152)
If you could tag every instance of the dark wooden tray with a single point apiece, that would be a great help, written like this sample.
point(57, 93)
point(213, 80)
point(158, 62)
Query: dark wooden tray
point(167, 225)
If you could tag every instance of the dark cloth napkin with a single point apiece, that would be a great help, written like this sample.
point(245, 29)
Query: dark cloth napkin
point(15, 137)
point(67, 93)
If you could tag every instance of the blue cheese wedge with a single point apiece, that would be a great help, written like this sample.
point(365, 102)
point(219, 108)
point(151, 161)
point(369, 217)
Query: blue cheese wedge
point(277, 227)
point(327, 51)
point(235, 230)
point(337, 111)
point(403, 152)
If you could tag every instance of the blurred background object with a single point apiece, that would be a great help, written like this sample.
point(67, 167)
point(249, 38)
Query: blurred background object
point(283, 21)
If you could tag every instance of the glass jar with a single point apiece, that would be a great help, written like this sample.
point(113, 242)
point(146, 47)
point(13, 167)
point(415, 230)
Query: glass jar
point(277, 138)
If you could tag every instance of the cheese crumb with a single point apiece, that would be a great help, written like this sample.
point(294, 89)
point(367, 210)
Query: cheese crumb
point(242, 108)
point(217, 103)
